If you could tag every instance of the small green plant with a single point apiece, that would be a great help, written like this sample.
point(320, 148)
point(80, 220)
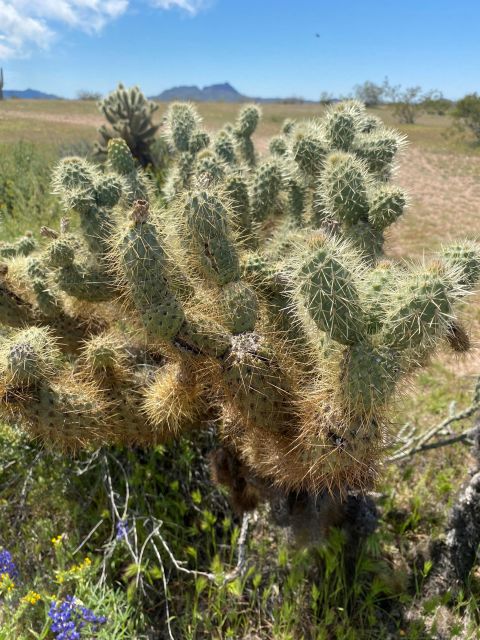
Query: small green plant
point(25, 187)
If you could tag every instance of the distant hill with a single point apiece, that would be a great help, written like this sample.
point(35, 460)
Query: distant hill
point(214, 93)
point(29, 94)
point(223, 92)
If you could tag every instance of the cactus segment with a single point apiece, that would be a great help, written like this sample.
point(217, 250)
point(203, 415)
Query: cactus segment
point(255, 385)
point(327, 286)
point(142, 261)
point(207, 224)
point(344, 185)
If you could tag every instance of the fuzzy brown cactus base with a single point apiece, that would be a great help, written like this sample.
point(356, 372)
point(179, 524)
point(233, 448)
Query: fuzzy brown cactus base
point(306, 518)
point(251, 294)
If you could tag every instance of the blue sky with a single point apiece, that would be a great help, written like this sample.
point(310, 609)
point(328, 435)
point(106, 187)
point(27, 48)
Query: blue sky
point(263, 47)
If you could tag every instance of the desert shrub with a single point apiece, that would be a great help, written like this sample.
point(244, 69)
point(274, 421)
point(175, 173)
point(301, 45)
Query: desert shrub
point(467, 114)
point(370, 93)
point(438, 105)
point(410, 102)
point(85, 94)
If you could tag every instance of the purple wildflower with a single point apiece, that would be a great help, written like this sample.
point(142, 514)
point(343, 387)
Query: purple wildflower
point(7, 565)
point(69, 618)
point(122, 529)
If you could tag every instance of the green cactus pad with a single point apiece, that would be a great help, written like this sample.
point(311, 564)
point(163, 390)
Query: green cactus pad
point(341, 124)
point(344, 185)
point(204, 336)
point(239, 307)
point(61, 252)
point(27, 357)
point(366, 239)
point(85, 282)
point(327, 286)
point(199, 140)
point(208, 168)
point(309, 151)
point(247, 120)
point(378, 149)
point(236, 190)
point(182, 121)
point(64, 417)
point(387, 204)
point(265, 190)
point(420, 308)
point(74, 173)
point(369, 376)
point(120, 157)
point(278, 146)
point(108, 190)
point(207, 223)
point(21, 247)
point(465, 256)
point(224, 147)
point(379, 282)
point(143, 263)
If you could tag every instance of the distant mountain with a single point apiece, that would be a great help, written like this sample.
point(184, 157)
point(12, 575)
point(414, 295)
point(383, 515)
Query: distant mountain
point(29, 94)
point(214, 93)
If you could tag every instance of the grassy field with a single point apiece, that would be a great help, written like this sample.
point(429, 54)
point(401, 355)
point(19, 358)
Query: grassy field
point(285, 595)
point(79, 119)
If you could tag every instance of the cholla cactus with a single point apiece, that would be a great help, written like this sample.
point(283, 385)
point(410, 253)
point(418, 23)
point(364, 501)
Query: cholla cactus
point(295, 348)
point(130, 116)
point(243, 130)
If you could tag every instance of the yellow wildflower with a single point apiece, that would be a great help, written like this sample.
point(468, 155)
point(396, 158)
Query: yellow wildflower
point(6, 583)
point(58, 540)
point(60, 576)
point(78, 568)
point(32, 597)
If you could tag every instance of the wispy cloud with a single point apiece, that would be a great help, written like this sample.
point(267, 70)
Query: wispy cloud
point(18, 31)
point(27, 25)
point(190, 6)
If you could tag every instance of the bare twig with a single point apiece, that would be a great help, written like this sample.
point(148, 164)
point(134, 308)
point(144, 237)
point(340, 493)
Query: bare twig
point(241, 551)
point(165, 588)
point(412, 442)
point(88, 536)
point(178, 563)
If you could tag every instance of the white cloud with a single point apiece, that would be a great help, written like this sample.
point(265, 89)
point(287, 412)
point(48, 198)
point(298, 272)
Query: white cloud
point(190, 6)
point(89, 15)
point(18, 31)
point(26, 25)
point(32, 24)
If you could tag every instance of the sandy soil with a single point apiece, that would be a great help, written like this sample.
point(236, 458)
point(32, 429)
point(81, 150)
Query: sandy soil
point(93, 120)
